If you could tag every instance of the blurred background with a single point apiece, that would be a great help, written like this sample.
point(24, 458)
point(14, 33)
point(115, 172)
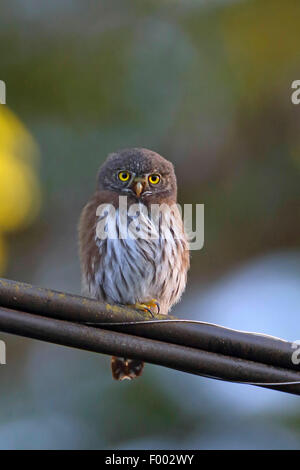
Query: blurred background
point(207, 84)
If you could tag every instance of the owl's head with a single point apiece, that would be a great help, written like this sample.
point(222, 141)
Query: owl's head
point(140, 173)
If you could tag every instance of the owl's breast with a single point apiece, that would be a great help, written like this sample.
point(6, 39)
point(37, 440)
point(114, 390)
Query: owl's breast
point(126, 273)
point(139, 268)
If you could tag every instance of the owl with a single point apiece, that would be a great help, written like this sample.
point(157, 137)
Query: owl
point(132, 243)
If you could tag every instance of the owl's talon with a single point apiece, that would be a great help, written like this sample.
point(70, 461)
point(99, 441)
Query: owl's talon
point(148, 307)
point(154, 304)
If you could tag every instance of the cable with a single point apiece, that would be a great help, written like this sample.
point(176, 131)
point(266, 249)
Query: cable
point(203, 323)
point(192, 346)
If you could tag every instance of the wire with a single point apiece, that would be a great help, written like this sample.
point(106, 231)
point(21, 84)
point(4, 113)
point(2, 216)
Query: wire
point(179, 320)
point(147, 322)
point(192, 346)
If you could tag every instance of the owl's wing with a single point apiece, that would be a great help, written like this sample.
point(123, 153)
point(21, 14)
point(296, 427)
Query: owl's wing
point(88, 251)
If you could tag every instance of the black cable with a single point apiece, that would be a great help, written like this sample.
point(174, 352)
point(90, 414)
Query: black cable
point(191, 360)
point(237, 351)
point(209, 337)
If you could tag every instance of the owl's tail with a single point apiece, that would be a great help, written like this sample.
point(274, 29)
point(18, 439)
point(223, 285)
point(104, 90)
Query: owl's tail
point(126, 368)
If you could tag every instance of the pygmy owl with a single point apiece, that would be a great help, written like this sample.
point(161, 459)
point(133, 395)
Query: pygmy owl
point(133, 248)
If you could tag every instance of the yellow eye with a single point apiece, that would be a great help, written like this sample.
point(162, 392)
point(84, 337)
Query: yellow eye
point(154, 179)
point(124, 175)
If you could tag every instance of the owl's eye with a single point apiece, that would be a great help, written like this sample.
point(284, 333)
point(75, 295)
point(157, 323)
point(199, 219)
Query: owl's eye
point(154, 179)
point(124, 175)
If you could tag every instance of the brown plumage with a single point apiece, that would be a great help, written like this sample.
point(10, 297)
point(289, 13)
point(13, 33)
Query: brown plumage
point(135, 268)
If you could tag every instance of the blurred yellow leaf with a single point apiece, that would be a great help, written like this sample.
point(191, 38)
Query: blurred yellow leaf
point(19, 193)
point(14, 138)
point(20, 196)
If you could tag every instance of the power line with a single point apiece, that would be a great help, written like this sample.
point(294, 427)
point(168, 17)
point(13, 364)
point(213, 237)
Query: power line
point(195, 347)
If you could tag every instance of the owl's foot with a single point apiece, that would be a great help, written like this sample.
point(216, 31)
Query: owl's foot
point(152, 306)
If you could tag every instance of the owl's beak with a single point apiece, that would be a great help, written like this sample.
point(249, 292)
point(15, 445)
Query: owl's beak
point(138, 186)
